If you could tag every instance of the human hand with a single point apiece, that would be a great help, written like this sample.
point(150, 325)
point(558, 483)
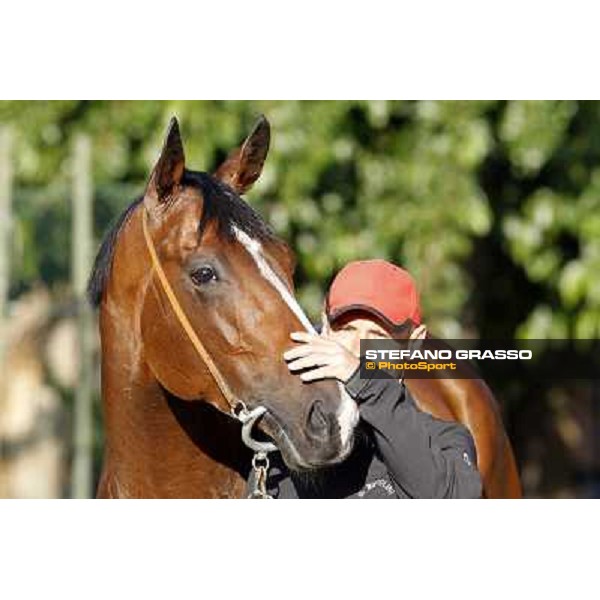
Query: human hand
point(323, 356)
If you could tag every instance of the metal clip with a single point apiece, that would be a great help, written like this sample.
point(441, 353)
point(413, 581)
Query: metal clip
point(260, 464)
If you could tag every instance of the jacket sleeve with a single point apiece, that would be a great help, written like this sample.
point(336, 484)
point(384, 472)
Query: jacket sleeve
point(426, 457)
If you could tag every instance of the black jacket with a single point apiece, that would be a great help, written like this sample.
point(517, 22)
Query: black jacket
point(399, 452)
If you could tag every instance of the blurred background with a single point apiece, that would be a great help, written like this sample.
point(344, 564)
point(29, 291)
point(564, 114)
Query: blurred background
point(493, 206)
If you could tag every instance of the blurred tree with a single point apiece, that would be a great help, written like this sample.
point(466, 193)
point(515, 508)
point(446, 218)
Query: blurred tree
point(494, 206)
point(425, 184)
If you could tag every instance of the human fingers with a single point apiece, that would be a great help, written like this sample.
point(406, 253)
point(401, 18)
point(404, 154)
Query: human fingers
point(312, 360)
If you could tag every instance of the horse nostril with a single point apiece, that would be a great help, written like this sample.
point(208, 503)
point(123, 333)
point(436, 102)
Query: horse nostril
point(318, 424)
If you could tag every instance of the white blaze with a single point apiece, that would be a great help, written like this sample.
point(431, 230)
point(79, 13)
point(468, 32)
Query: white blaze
point(254, 248)
point(347, 414)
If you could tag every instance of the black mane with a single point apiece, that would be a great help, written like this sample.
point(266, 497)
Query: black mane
point(221, 205)
point(103, 263)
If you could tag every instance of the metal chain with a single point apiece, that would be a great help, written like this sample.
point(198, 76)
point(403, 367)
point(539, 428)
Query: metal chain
point(260, 464)
point(260, 460)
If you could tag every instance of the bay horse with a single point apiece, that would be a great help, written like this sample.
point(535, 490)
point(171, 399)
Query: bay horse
point(168, 431)
point(196, 303)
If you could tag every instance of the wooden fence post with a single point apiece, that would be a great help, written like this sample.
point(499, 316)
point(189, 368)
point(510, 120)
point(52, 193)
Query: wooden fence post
point(6, 174)
point(81, 260)
point(5, 230)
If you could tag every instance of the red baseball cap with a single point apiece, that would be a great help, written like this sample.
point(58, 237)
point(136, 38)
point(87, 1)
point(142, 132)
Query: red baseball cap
point(376, 286)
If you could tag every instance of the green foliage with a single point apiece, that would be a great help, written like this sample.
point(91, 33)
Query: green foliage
point(453, 191)
point(532, 131)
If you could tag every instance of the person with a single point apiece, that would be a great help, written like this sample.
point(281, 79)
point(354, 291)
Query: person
point(399, 451)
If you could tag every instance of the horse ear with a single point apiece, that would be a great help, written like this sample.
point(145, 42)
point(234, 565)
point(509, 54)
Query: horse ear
point(168, 171)
point(244, 165)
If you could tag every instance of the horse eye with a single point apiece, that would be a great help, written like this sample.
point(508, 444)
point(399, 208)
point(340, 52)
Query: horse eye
point(203, 275)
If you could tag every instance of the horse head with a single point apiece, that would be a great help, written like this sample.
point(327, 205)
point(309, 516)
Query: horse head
point(232, 278)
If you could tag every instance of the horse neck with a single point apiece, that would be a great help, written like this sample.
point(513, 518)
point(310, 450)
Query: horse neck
point(158, 445)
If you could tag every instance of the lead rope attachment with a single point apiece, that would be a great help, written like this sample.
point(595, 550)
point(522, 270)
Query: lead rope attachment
point(260, 460)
